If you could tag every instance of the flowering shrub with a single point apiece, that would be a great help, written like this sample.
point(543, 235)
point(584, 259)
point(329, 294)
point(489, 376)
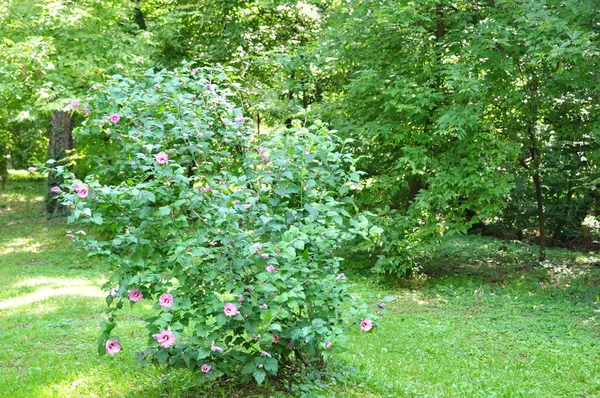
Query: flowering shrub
point(230, 235)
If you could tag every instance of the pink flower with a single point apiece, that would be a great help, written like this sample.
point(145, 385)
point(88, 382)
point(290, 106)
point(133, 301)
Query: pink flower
point(381, 305)
point(165, 300)
point(216, 348)
point(270, 268)
point(74, 104)
point(265, 354)
point(264, 307)
point(55, 189)
point(265, 256)
point(277, 251)
point(210, 86)
point(205, 189)
point(275, 338)
point(340, 276)
point(240, 119)
point(70, 236)
point(94, 88)
point(132, 163)
point(246, 206)
point(114, 118)
point(71, 207)
point(31, 169)
point(366, 325)
point(135, 295)
point(260, 150)
point(205, 368)
point(161, 158)
point(165, 338)
point(230, 309)
point(113, 291)
point(112, 346)
point(328, 345)
point(157, 86)
point(241, 299)
point(86, 110)
point(194, 71)
point(83, 192)
point(77, 186)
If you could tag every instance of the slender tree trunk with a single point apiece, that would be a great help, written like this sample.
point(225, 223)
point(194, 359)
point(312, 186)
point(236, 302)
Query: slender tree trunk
point(61, 141)
point(540, 207)
point(539, 197)
point(3, 165)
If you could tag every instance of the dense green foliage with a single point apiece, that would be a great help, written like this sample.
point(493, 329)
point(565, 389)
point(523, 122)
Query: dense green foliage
point(462, 114)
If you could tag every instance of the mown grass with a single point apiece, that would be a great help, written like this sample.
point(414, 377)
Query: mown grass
point(486, 322)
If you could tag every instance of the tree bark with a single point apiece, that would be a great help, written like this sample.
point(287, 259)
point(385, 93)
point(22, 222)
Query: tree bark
point(61, 141)
point(540, 207)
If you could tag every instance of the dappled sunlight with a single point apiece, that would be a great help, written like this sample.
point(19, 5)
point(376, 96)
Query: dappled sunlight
point(56, 282)
point(21, 245)
point(46, 292)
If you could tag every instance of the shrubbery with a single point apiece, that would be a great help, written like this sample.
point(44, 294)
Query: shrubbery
point(230, 235)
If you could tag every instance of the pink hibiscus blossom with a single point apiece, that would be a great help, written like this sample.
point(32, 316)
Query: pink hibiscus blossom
point(135, 295)
point(70, 236)
point(247, 206)
point(275, 338)
point(340, 276)
point(74, 104)
point(194, 71)
point(260, 150)
point(205, 368)
point(161, 158)
point(270, 268)
point(265, 256)
point(165, 338)
point(328, 345)
point(381, 305)
point(240, 119)
point(112, 346)
point(264, 307)
point(366, 325)
point(165, 300)
point(230, 309)
point(32, 169)
point(83, 192)
point(114, 118)
point(55, 189)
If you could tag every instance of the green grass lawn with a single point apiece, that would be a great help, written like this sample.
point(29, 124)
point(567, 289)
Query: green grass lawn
point(484, 323)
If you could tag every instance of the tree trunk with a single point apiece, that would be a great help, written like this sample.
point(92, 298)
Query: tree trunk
point(3, 166)
point(61, 141)
point(540, 207)
point(536, 161)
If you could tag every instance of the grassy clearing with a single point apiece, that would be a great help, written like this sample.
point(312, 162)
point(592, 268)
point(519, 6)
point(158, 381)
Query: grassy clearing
point(485, 323)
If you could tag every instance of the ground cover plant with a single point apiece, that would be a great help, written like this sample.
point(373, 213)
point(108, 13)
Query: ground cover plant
point(522, 332)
